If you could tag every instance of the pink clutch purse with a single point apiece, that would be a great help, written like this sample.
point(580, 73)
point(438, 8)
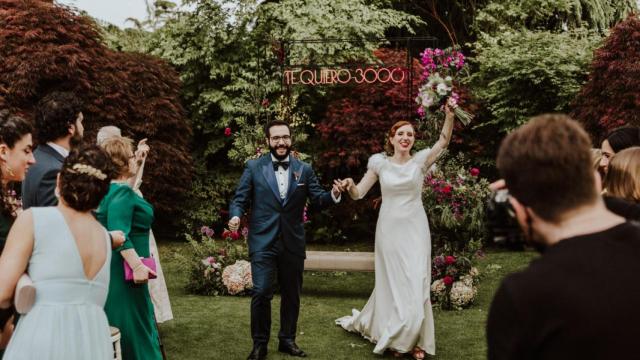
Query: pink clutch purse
point(149, 262)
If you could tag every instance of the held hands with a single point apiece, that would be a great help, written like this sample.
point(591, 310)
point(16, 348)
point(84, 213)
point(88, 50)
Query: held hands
point(342, 185)
point(141, 274)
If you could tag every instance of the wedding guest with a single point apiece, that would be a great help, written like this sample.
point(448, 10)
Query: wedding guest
point(398, 315)
point(15, 158)
point(59, 127)
point(129, 305)
point(576, 301)
point(157, 286)
point(622, 184)
point(616, 141)
point(67, 253)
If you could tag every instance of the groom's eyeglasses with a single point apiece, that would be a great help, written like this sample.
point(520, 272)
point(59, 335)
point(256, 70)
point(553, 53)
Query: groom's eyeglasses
point(276, 139)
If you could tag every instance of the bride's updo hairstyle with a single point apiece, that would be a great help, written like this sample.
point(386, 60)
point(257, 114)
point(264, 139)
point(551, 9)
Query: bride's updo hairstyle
point(85, 177)
point(388, 146)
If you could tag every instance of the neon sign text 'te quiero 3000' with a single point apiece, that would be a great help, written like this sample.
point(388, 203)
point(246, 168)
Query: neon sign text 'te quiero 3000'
point(325, 76)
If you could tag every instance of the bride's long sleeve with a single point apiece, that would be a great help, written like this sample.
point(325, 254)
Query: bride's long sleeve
point(357, 192)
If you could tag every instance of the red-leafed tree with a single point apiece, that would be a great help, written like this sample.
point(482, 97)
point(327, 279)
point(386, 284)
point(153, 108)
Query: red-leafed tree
point(611, 97)
point(355, 124)
point(46, 47)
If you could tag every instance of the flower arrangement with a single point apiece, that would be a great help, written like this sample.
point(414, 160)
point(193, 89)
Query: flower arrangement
point(441, 67)
point(210, 259)
point(455, 284)
point(237, 277)
point(454, 196)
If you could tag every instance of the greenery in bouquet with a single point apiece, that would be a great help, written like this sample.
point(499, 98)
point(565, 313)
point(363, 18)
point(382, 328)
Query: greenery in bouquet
point(454, 196)
point(219, 266)
point(454, 282)
point(441, 70)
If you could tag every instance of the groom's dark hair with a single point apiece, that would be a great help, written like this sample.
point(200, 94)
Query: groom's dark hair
point(273, 123)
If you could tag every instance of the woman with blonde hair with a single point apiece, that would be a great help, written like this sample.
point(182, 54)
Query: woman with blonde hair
point(622, 183)
point(157, 286)
point(398, 316)
point(128, 305)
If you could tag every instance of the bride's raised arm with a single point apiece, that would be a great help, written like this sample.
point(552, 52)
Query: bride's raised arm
point(443, 141)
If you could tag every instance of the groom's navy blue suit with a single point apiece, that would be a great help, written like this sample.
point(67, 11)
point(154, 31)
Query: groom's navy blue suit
point(276, 239)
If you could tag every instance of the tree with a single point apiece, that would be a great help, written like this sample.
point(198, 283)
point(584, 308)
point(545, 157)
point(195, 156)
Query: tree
point(611, 97)
point(46, 47)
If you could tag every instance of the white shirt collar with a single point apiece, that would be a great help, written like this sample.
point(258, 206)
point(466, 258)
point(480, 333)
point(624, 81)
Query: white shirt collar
point(62, 151)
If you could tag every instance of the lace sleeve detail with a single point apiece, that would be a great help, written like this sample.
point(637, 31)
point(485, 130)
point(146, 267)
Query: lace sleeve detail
point(376, 161)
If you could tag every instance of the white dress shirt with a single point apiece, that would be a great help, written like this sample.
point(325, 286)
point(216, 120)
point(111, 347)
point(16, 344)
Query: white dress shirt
point(282, 178)
point(62, 151)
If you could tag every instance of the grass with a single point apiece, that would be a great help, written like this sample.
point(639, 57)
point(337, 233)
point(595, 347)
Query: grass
point(218, 327)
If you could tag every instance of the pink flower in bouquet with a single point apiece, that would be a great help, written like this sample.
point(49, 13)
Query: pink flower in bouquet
point(450, 260)
point(448, 280)
point(227, 132)
point(474, 171)
point(234, 235)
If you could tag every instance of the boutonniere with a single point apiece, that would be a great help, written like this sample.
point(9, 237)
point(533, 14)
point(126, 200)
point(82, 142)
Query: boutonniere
point(296, 175)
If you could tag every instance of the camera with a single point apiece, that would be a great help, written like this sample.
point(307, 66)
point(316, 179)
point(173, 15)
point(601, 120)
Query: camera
point(502, 223)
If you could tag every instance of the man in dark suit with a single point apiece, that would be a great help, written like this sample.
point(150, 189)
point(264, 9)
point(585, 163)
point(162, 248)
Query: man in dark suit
point(58, 128)
point(580, 299)
point(277, 186)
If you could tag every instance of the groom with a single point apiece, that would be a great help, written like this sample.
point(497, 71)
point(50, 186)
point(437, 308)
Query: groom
point(277, 186)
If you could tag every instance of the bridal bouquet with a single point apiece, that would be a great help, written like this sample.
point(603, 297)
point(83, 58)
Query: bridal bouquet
point(440, 70)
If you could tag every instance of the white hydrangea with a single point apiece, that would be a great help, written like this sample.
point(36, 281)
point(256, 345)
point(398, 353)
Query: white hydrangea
point(237, 277)
point(438, 287)
point(462, 295)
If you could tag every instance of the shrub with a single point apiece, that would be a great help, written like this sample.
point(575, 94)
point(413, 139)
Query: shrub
point(611, 97)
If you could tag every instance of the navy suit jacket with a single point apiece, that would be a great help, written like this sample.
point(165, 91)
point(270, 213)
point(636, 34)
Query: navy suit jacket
point(38, 187)
point(270, 215)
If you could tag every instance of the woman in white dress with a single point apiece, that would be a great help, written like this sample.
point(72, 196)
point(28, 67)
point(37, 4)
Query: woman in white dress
point(398, 315)
point(66, 252)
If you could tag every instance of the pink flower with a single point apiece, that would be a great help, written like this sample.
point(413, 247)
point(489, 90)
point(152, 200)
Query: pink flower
point(234, 235)
point(448, 280)
point(421, 112)
point(265, 103)
point(450, 260)
point(227, 132)
point(245, 231)
point(447, 189)
point(211, 260)
point(474, 171)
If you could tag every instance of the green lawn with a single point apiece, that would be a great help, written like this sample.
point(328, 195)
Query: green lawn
point(218, 327)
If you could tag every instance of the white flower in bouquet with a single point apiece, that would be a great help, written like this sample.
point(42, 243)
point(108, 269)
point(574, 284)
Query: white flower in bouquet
point(442, 89)
point(462, 295)
point(237, 277)
point(427, 101)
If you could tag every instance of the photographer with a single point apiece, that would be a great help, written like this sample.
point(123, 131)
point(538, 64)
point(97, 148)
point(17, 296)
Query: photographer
point(579, 299)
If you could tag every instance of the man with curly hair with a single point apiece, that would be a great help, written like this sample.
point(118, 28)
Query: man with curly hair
point(58, 129)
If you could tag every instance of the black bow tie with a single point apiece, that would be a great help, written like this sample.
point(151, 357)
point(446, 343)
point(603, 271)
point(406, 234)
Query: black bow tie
point(277, 164)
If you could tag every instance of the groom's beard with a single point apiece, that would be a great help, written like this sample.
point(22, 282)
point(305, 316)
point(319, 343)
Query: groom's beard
point(75, 140)
point(274, 152)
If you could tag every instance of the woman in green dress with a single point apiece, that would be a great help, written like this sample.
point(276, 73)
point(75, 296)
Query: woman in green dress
point(129, 306)
point(15, 158)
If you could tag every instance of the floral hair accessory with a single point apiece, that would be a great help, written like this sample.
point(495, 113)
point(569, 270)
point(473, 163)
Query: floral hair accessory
point(78, 168)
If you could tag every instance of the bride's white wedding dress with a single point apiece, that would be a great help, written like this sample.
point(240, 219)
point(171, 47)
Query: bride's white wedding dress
point(398, 315)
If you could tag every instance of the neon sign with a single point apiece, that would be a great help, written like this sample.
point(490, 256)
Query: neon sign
point(326, 76)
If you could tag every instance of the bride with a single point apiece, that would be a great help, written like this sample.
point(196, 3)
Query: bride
point(398, 315)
